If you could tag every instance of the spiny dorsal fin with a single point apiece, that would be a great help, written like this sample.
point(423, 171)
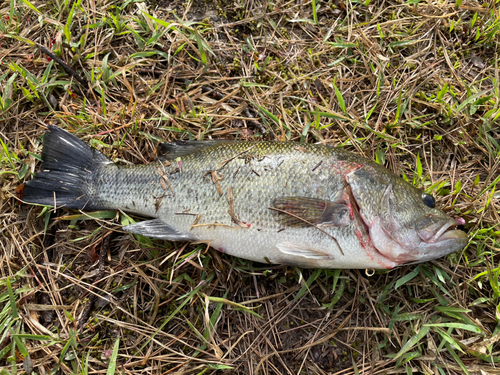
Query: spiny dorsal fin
point(303, 211)
point(173, 150)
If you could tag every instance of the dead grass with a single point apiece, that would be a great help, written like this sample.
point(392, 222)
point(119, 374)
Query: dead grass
point(413, 85)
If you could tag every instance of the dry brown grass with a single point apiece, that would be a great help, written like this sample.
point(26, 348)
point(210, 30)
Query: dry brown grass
point(412, 90)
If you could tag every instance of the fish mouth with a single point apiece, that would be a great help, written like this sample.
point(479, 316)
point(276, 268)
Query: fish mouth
point(432, 239)
point(446, 232)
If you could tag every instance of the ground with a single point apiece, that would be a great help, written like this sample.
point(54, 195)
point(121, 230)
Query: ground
point(413, 85)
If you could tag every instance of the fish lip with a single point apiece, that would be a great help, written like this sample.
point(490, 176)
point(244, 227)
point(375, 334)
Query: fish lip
point(455, 234)
point(446, 232)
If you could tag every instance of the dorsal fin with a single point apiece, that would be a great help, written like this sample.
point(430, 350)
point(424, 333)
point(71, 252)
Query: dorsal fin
point(173, 150)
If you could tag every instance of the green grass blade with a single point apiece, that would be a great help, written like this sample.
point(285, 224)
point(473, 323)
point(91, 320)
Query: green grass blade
point(187, 298)
point(340, 98)
point(12, 298)
point(470, 100)
point(408, 277)
point(314, 11)
point(89, 216)
point(233, 304)
point(414, 340)
point(457, 358)
point(112, 358)
point(269, 114)
point(34, 8)
point(467, 327)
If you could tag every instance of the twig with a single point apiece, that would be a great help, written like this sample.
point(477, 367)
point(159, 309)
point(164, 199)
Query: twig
point(231, 210)
point(65, 66)
point(213, 224)
point(100, 275)
point(196, 220)
point(48, 241)
point(82, 80)
point(215, 180)
point(448, 61)
point(246, 111)
point(165, 177)
point(324, 339)
point(223, 163)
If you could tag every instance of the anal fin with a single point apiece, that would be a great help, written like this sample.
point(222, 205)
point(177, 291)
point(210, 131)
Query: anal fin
point(158, 229)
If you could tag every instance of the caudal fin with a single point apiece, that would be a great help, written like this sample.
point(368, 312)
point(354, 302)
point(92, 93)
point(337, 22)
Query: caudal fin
point(68, 168)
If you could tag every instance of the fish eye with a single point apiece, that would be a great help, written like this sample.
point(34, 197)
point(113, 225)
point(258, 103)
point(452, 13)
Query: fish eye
point(428, 200)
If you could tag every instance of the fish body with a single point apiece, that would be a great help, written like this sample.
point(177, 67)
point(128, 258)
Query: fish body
point(307, 205)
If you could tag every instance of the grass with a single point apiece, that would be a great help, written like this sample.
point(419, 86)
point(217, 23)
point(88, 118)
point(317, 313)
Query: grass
point(412, 85)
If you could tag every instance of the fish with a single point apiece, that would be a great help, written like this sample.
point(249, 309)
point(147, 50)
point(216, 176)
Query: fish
point(298, 204)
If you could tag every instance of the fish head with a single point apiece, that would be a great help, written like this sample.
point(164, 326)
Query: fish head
point(401, 220)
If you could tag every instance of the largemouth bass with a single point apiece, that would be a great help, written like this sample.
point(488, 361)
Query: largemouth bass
point(307, 205)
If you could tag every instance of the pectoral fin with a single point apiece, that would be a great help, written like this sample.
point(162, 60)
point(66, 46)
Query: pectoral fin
point(158, 229)
point(303, 211)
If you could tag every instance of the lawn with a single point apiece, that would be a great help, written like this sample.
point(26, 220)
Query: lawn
point(412, 85)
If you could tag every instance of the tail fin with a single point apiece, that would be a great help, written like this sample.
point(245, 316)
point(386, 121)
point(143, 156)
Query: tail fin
point(68, 168)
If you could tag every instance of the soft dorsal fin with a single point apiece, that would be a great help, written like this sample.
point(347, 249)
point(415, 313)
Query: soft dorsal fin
point(173, 150)
point(303, 211)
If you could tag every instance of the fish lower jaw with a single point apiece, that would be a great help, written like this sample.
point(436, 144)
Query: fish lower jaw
point(451, 235)
point(440, 234)
point(447, 243)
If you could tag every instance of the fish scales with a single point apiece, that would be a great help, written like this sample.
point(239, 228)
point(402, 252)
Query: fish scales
point(300, 204)
point(259, 174)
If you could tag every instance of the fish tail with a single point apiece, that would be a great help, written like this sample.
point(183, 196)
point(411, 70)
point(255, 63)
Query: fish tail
point(69, 167)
